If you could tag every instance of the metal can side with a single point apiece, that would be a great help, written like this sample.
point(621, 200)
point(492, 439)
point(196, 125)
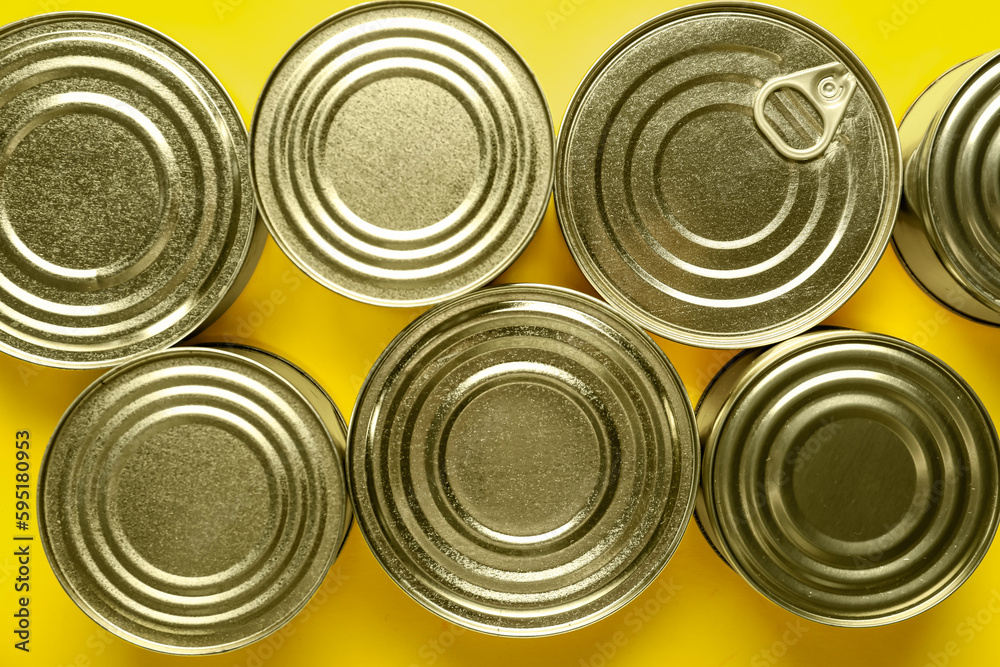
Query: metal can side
point(916, 240)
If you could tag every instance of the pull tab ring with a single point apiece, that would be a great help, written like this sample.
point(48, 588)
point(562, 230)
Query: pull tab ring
point(828, 88)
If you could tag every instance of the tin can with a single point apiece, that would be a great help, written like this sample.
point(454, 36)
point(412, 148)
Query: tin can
point(192, 500)
point(728, 174)
point(947, 234)
point(126, 208)
point(402, 153)
point(849, 477)
point(522, 460)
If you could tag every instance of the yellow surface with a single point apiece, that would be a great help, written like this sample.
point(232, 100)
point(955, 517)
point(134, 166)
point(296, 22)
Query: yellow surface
point(698, 612)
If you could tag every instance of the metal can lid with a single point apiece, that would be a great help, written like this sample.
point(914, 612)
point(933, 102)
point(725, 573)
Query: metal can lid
point(953, 182)
point(191, 501)
point(402, 153)
point(523, 461)
point(125, 199)
point(850, 477)
point(728, 174)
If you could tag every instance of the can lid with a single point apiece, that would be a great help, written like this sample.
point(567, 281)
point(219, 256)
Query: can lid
point(523, 461)
point(126, 206)
point(953, 182)
point(850, 477)
point(402, 153)
point(191, 501)
point(728, 174)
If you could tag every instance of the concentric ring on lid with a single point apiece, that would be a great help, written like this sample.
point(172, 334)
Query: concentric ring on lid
point(127, 219)
point(191, 501)
point(686, 216)
point(402, 153)
point(851, 478)
point(523, 461)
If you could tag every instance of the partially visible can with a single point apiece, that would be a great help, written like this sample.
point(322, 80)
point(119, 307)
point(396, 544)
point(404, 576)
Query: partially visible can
point(127, 219)
point(948, 233)
point(402, 153)
point(523, 461)
point(728, 174)
point(851, 478)
point(192, 500)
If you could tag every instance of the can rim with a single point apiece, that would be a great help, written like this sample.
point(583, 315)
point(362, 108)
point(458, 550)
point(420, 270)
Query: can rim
point(86, 607)
point(253, 133)
point(602, 613)
point(616, 298)
point(255, 218)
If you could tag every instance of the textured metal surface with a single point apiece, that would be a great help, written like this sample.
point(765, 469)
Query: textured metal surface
point(522, 460)
point(682, 213)
point(850, 477)
point(192, 501)
point(948, 235)
point(126, 208)
point(402, 153)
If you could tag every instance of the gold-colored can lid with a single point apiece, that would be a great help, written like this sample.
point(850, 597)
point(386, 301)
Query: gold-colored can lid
point(728, 174)
point(402, 153)
point(127, 219)
point(523, 461)
point(850, 477)
point(191, 501)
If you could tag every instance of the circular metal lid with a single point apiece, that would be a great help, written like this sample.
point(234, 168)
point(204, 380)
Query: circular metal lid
point(126, 207)
point(850, 477)
point(402, 153)
point(727, 174)
point(953, 181)
point(522, 460)
point(192, 501)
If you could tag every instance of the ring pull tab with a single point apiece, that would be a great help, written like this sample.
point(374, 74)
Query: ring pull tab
point(828, 88)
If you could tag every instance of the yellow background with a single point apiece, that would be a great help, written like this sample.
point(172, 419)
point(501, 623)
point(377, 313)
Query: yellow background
point(698, 612)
